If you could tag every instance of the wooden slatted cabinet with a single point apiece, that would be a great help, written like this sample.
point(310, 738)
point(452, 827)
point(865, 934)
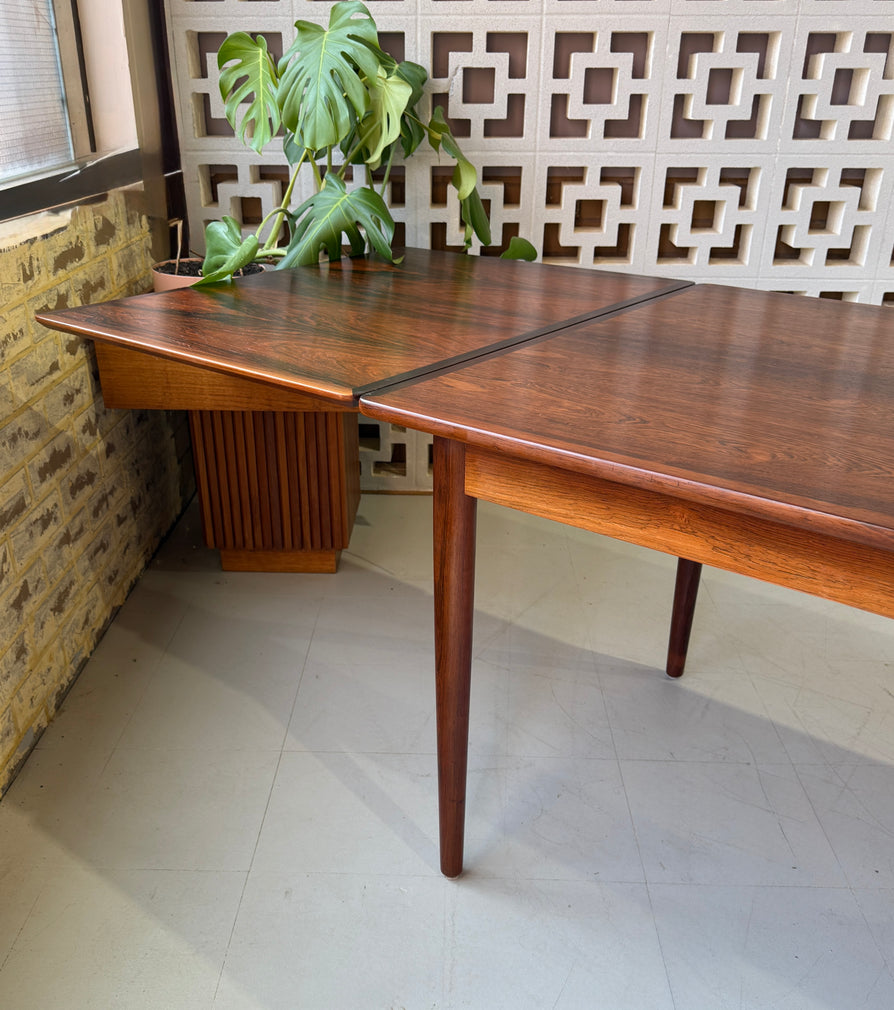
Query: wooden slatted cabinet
point(278, 482)
point(278, 489)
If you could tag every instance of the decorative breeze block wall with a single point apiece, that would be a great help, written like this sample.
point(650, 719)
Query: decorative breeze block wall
point(746, 142)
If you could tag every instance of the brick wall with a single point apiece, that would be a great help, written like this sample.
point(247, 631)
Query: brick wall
point(86, 493)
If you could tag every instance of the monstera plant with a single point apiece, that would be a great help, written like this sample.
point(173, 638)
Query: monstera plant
point(337, 100)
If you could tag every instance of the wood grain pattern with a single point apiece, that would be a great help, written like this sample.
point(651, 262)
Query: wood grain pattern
point(774, 406)
point(842, 570)
point(133, 380)
point(339, 329)
point(454, 578)
point(278, 490)
point(309, 562)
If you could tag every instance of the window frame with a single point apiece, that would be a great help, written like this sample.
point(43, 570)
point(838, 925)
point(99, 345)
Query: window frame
point(74, 76)
point(92, 172)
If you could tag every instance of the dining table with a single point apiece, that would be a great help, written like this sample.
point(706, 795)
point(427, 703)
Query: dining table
point(746, 430)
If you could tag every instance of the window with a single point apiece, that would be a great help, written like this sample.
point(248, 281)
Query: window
point(43, 117)
point(57, 146)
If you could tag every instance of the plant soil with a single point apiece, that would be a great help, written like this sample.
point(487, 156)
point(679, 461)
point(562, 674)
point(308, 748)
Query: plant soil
point(193, 268)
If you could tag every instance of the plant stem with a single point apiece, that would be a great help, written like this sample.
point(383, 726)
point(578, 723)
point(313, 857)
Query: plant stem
point(349, 157)
point(318, 176)
point(286, 200)
point(428, 130)
point(270, 245)
point(387, 175)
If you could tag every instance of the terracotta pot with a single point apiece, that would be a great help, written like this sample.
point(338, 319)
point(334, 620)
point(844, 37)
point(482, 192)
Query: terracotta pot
point(190, 271)
point(163, 280)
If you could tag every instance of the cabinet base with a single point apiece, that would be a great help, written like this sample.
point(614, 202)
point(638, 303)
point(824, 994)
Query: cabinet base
point(316, 562)
point(278, 490)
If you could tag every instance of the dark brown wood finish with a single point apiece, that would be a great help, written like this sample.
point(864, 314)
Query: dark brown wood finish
point(337, 330)
point(454, 578)
point(770, 405)
point(278, 490)
point(750, 431)
point(312, 340)
point(689, 575)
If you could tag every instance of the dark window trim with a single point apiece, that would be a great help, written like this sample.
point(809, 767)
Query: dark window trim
point(87, 178)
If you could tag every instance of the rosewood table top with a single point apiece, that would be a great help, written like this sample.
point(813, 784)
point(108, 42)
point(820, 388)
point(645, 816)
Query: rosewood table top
point(773, 405)
point(348, 327)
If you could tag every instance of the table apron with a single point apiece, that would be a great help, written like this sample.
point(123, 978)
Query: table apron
point(139, 380)
point(856, 574)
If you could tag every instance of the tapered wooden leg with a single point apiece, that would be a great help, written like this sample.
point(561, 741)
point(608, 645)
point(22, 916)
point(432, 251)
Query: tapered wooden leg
point(454, 584)
point(685, 594)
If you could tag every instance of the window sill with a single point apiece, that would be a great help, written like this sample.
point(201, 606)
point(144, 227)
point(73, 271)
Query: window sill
point(71, 184)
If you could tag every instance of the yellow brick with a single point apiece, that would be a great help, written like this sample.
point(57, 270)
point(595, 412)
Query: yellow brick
point(51, 299)
point(131, 269)
point(13, 333)
point(7, 572)
point(20, 438)
point(29, 705)
point(81, 631)
point(15, 499)
point(14, 663)
point(67, 397)
point(18, 603)
point(93, 282)
point(49, 612)
point(36, 528)
point(76, 352)
point(52, 462)
point(9, 738)
point(132, 204)
point(33, 373)
point(25, 268)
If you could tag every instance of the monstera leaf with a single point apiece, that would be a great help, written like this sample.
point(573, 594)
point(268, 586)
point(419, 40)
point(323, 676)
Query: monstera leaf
point(388, 102)
point(225, 251)
point(392, 115)
point(291, 149)
point(475, 218)
point(248, 74)
point(519, 249)
point(464, 175)
point(321, 221)
point(464, 179)
point(322, 90)
point(411, 130)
